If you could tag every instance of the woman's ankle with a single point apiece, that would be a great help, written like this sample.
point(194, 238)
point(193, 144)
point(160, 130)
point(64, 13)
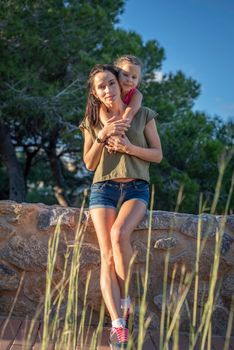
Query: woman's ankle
point(125, 303)
point(119, 322)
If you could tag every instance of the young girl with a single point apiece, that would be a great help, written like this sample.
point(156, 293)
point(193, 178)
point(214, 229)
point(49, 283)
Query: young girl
point(129, 68)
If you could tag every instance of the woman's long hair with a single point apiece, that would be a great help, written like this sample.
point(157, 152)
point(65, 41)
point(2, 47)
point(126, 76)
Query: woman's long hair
point(93, 104)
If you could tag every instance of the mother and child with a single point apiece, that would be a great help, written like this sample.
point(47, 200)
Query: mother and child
point(120, 141)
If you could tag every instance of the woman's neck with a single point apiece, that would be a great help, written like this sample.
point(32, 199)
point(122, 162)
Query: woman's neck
point(114, 110)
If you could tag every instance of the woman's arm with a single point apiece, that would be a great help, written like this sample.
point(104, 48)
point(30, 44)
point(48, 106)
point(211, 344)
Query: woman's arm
point(154, 152)
point(151, 154)
point(93, 149)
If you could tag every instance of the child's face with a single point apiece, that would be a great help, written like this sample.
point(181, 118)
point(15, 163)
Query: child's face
point(129, 76)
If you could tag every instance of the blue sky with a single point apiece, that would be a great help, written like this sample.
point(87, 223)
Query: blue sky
point(198, 38)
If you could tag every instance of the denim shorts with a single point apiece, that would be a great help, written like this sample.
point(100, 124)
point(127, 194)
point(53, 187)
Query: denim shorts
point(112, 194)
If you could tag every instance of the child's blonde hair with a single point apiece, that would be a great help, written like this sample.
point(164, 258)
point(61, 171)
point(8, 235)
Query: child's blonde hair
point(130, 59)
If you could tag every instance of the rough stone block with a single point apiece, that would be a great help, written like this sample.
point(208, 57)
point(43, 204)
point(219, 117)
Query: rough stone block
point(165, 243)
point(9, 278)
point(26, 254)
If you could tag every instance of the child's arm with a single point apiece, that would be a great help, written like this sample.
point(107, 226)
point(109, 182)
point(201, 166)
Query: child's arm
point(133, 106)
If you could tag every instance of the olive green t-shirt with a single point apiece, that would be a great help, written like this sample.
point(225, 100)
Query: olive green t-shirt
point(121, 165)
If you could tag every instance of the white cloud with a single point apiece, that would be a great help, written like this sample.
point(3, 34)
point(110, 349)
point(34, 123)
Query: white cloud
point(158, 76)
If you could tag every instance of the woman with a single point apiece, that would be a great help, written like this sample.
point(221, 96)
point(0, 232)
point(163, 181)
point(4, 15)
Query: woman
point(120, 189)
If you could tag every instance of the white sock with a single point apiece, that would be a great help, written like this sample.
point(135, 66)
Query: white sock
point(125, 303)
point(119, 322)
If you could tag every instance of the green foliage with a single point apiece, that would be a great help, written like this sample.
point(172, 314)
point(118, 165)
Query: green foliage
point(172, 97)
point(192, 147)
point(121, 42)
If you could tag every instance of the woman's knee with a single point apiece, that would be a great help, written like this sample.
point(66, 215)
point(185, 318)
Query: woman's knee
point(107, 259)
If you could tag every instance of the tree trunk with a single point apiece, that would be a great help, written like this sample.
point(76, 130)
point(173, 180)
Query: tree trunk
point(14, 170)
point(56, 169)
point(28, 161)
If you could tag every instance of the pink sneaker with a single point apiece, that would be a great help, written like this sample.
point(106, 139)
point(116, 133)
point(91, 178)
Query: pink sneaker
point(118, 338)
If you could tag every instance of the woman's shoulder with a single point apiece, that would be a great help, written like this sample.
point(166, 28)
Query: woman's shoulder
point(148, 113)
point(85, 124)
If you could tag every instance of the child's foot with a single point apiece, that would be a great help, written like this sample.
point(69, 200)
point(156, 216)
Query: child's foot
point(118, 338)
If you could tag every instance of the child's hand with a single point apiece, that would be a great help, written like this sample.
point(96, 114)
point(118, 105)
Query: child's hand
point(114, 127)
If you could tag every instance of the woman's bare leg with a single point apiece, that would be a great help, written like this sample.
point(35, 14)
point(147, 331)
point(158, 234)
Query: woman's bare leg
point(103, 219)
point(129, 216)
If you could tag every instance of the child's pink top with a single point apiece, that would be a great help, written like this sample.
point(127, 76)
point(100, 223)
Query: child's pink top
point(128, 97)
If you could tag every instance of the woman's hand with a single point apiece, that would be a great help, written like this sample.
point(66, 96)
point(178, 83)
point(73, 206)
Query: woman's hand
point(118, 144)
point(153, 153)
point(114, 127)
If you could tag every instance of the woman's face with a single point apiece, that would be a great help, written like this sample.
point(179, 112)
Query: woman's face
point(106, 88)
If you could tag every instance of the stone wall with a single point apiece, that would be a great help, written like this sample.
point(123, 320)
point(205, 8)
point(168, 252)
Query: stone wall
point(26, 228)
